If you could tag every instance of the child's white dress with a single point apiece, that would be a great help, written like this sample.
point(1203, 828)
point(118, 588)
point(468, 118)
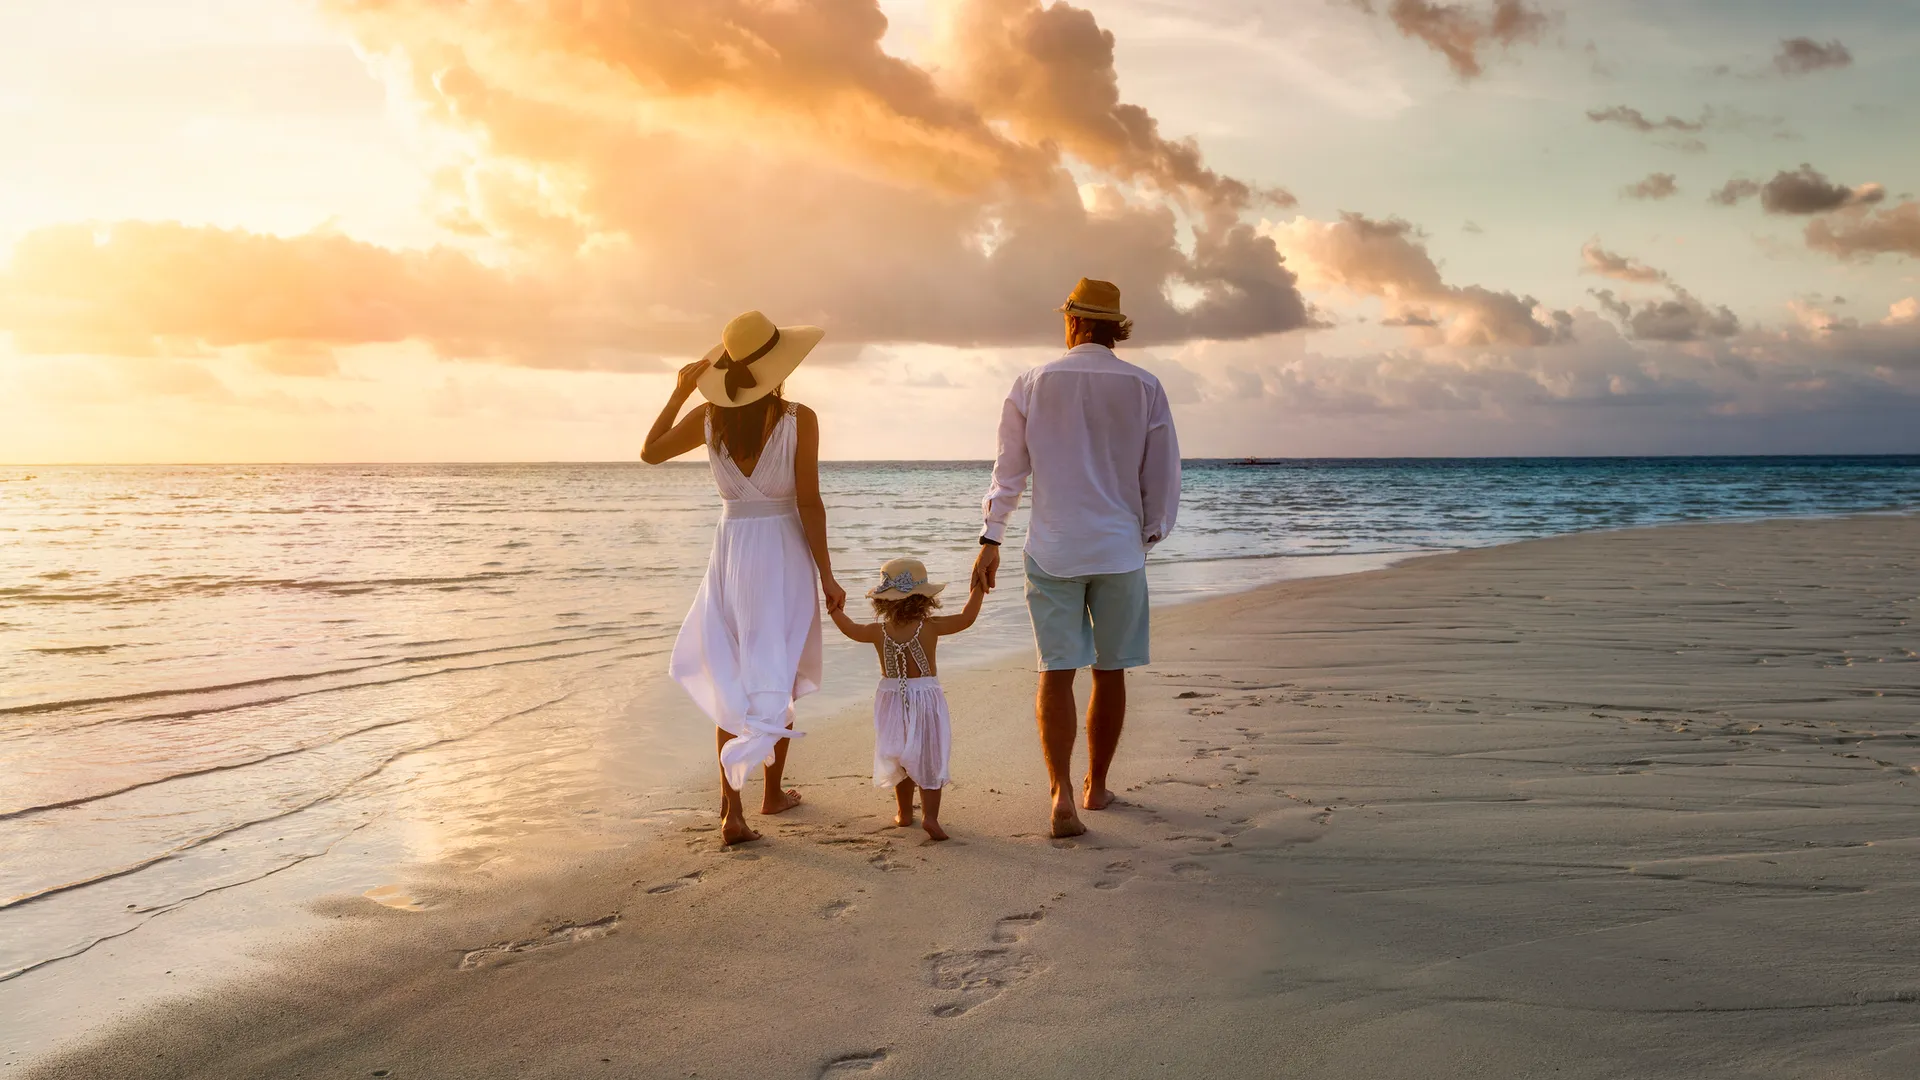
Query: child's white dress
point(913, 735)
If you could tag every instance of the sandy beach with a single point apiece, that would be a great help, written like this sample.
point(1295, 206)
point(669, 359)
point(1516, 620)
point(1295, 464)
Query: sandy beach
point(1621, 804)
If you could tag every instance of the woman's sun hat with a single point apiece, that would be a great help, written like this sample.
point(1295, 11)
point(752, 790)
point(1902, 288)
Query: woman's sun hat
point(902, 578)
point(753, 358)
point(1093, 299)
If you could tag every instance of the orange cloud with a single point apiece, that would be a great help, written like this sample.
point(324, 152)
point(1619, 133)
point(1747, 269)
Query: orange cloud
point(1387, 259)
point(627, 176)
point(1854, 232)
point(146, 288)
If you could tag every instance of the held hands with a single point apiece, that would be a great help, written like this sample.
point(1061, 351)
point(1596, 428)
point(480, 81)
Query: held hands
point(986, 568)
point(836, 596)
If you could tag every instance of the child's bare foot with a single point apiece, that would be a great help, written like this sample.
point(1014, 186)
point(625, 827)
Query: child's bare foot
point(1095, 798)
point(777, 801)
point(903, 818)
point(934, 831)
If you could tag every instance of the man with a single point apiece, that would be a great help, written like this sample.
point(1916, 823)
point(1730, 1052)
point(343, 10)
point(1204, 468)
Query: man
point(1095, 434)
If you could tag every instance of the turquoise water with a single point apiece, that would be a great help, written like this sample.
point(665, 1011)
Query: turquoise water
point(212, 674)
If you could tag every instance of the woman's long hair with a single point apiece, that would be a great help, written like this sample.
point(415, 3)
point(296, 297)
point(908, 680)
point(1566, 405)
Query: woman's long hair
point(744, 427)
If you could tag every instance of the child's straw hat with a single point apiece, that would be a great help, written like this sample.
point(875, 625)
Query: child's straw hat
point(902, 578)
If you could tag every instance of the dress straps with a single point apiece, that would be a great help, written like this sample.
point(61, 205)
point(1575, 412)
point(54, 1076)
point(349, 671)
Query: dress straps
point(893, 662)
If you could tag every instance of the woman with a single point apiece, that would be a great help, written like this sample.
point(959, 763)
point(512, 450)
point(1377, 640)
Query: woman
point(751, 645)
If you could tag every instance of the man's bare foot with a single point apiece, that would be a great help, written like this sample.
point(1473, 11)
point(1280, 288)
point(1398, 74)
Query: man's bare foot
point(1065, 821)
point(734, 831)
point(777, 801)
point(903, 818)
point(1095, 798)
point(934, 831)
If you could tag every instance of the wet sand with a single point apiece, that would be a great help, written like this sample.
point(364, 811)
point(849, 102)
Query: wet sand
point(1628, 804)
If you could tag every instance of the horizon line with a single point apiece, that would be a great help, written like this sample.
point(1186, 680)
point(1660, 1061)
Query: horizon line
point(1229, 460)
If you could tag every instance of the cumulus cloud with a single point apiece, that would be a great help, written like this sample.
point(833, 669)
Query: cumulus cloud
point(625, 177)
point(1654, 187)
point(1461, 33)
point(1799, 56)
point(1388, 259)
point(1859, 232)
point(1682, 318)
point(1047, 72)
point(1801, 191)
point(1599, 260)
point(1854, 387)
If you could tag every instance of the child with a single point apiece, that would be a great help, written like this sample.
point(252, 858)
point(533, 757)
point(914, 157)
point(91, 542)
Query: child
point(912, 731)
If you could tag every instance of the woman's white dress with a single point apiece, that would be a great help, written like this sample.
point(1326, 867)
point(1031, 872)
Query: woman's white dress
point(751, 644)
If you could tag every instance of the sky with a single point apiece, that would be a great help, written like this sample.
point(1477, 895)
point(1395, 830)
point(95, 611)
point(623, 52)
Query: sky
point(404, 230)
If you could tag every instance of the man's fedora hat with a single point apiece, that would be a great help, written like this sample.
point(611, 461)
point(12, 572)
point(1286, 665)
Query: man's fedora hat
point(753, 358)
point(1093, 299)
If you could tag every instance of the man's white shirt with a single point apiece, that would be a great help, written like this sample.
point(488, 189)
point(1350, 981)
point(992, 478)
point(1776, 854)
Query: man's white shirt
point(1096, 435)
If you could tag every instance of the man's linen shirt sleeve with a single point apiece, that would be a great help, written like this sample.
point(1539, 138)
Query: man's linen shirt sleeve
point(1159, 473)
point(1011, 466)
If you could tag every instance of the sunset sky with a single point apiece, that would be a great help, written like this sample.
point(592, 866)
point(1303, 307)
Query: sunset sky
point(383, 230)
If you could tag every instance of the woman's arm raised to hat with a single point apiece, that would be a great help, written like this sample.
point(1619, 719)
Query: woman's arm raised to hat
point(813, 510)
point(668, 440)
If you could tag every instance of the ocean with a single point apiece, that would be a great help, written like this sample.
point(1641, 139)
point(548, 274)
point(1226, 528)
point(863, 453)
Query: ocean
point(214, 676)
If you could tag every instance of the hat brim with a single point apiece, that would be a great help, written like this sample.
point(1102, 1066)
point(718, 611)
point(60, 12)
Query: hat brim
point(768, 372)
point(1088, 313)
point(925, 588)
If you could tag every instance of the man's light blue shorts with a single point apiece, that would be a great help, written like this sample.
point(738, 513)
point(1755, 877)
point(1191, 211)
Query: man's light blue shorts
point(1099, 620)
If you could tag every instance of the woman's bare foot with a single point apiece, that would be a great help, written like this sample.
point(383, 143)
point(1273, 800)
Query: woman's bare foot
point(1095, 798)
point(777, 801)
point(903, 818)
point(734, 831)
point(934, 831)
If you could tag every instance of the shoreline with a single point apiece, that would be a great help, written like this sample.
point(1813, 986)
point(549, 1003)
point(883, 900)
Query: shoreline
point(1270, 859)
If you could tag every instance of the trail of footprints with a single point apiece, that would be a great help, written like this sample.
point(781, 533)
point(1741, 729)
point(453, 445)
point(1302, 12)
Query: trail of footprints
point(976, 976)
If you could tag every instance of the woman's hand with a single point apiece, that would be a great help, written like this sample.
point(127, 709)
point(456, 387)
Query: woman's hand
point(689, 379)
point(836, 596)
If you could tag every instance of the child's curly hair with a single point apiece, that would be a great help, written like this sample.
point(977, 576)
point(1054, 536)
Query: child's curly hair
point(905, 609)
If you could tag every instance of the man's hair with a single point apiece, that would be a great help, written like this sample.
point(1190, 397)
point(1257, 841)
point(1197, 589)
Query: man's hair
point(1102, 331)
point(906, 608)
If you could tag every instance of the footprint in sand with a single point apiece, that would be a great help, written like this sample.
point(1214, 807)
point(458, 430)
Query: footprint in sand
point(678, 884)
point(836, 910)
point(1189, 871)
point(977, 976)
point(1117, 874)
point(853, 1063)
point(564, 934)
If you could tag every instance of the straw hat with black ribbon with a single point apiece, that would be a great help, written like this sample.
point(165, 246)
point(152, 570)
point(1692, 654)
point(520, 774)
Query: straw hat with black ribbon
point(1097, 300)
point(753, 358)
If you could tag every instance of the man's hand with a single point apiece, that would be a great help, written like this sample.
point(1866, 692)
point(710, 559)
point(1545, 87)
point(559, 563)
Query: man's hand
point(986, 567)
